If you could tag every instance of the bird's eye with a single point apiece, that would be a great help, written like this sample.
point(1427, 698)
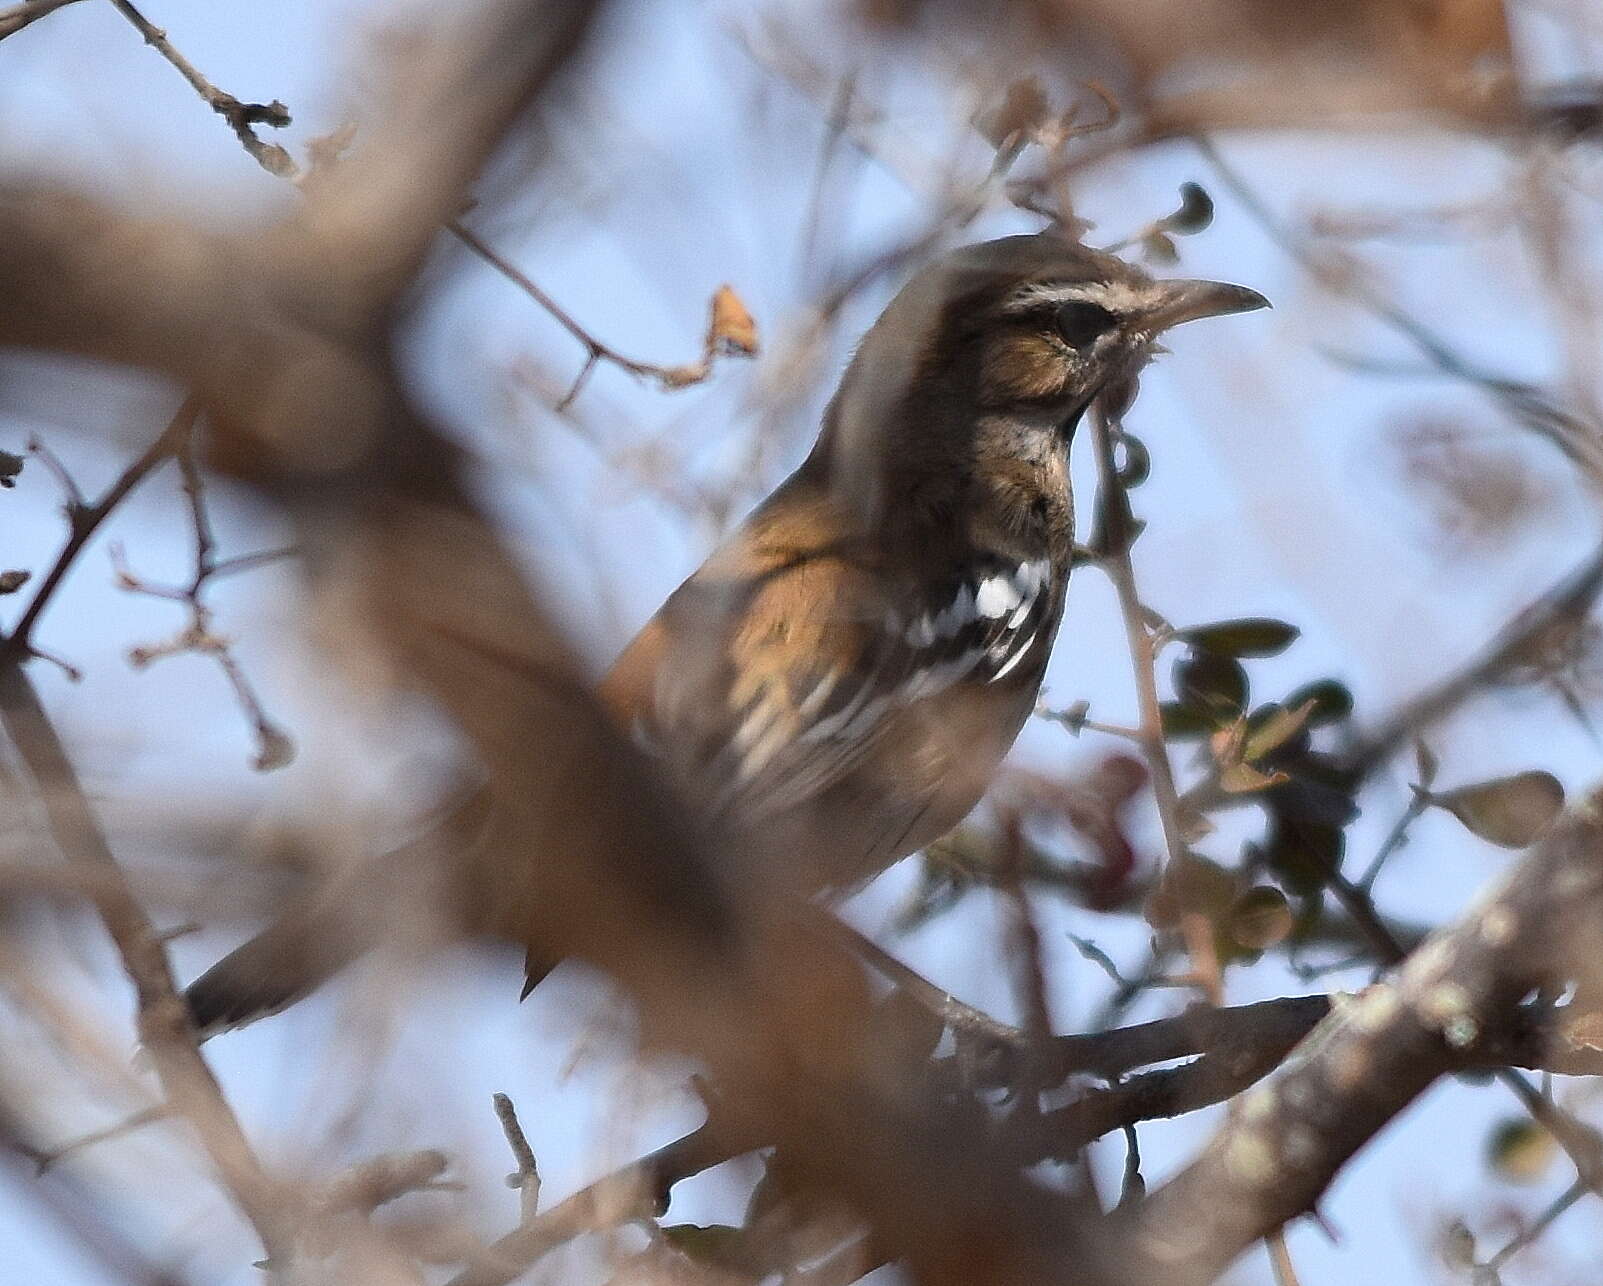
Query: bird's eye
point(1080, 321)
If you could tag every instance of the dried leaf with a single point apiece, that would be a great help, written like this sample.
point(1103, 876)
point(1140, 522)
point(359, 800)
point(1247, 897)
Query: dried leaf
point(1242, 779)
point(10, 467)
point(1425, 762)
point(732, 329)
point(1022, 111)
point(1510, 811)
point(13, 580)
point(1260, 918)
point(1276, 730)
point(275, 748)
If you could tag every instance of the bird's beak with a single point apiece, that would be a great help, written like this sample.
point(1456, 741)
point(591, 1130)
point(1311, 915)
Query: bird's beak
point(1182, 301)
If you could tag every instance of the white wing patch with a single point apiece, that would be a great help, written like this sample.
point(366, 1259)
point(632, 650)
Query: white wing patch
point(996, 618)
point(790, 727)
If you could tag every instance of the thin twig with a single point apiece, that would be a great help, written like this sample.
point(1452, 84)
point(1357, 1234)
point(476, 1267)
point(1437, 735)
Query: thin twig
point(187, 1082)
point(1572, 434)
point(637, 1191)
point(85, 519)
point(1529, 1234)
point(274, 748)
point(668, 377)
point(143, 1117)
point(526, 1178)
point(1117, 527)
point(1280, 1259)
point(242, 117)
point(1418, 802)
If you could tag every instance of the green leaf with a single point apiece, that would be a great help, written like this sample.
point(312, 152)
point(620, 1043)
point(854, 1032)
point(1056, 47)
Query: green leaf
point(1136, 466)
point(1304, 853)
point(1509, 811)
point(713, 1244)
point(1520, 1150)
point(1195, 212)
point(1182, 721)
point(1333, 701)
point(1211, 681)
point(1249, 637)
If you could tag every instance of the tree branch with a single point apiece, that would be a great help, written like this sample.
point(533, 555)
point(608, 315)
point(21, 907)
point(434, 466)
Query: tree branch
point(1286, 1139)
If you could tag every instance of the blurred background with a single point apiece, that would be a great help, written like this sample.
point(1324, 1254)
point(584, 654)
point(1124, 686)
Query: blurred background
point(1396, 461)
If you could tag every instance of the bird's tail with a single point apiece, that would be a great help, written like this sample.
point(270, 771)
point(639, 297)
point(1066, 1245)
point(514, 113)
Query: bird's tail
point(417, 887)
point(304, 948)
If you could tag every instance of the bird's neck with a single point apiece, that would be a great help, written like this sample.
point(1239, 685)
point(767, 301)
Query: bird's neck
point(1001, 486)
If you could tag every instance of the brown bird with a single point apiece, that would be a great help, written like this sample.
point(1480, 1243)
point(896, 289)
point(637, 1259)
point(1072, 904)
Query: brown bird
point(838, 683)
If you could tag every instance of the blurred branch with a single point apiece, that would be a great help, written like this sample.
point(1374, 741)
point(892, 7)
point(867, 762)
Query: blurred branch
point(1277, 1153)
point(18, 16)
point(1580, 439)
point(725, 334)
point(164, 1030)
point(1565, 604)
point(637, 1191)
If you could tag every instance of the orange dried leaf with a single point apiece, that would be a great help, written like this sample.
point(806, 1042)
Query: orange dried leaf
point(732, 329)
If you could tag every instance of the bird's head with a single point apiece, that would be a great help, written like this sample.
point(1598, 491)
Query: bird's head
point(1038, 326)
point(1027, 329)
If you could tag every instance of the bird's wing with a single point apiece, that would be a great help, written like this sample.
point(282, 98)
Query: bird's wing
point(772, 686)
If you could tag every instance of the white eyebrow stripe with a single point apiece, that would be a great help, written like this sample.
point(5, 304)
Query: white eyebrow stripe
point(1115, 296)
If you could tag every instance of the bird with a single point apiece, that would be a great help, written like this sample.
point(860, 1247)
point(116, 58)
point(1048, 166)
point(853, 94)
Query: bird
point(839, 681)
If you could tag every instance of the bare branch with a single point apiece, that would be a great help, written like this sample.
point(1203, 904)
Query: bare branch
point(18, 16)
point(1287, 1138)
